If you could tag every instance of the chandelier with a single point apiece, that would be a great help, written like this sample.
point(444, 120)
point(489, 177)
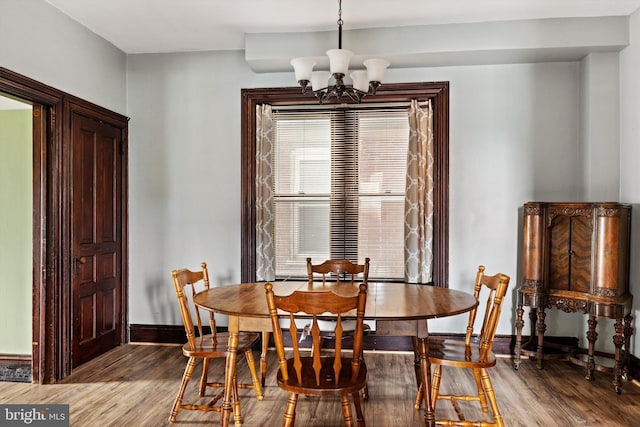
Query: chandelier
point(365, 82)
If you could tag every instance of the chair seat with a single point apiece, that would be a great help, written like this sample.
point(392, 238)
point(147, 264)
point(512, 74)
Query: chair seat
point(456, 353)
point(327, 386)
point(205, 347)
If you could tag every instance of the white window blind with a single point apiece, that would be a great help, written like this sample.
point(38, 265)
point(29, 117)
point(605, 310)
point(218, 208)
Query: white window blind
point(339, 182)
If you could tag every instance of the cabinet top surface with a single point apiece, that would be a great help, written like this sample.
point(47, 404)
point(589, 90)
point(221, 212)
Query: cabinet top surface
point(618, 204)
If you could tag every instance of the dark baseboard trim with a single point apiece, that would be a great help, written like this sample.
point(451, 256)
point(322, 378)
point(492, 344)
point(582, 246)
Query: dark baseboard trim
point(158, 334)
point(15, 358)
point(503, 345)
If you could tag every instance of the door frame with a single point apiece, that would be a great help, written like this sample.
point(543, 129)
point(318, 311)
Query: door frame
point(52, 322)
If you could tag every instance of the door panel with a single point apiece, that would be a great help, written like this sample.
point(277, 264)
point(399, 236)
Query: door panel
point(97, 238)
point(570, 253)
point(581, 238)
point(560, 242)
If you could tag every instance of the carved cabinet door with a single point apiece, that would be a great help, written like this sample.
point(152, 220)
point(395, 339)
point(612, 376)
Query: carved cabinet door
point(570, 249)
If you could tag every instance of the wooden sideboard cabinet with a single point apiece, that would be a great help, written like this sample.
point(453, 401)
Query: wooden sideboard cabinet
point(575, 258)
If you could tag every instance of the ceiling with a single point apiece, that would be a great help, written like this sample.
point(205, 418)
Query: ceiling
point(153, 26)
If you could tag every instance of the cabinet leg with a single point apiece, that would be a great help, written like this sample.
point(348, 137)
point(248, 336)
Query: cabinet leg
point(592, 336)
point(519, 325)
point(628, 331)
point(618, 341)
point(541, 328)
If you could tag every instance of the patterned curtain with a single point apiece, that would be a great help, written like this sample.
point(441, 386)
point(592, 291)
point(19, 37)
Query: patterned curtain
point(418, 203)
point(265, 251)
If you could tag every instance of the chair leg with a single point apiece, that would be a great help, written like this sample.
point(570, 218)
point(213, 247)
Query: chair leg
point(263, 357)
point(481, 395)
point(290, 411)
point(203, 378)
point(188, 372)
point(346, 409)
point(419, 396)
point(237, 416)
point(254, 376)
point(365, 392)
point(488, 387)
point(435, 385)
point(359, 413)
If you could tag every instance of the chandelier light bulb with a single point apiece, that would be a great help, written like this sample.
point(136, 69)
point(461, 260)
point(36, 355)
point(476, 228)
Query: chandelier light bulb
point(303, 68)
point(320, 80)
point(339, 60)
point(376, 68)
point(360, 80)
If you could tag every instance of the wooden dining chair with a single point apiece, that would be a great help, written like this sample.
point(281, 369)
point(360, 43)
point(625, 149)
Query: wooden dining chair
point(475, 353)
point(337, 271)
point(207, 346)
point(336, 373)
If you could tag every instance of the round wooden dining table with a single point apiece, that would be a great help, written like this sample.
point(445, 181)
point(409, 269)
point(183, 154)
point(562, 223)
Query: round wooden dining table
point(399, 309)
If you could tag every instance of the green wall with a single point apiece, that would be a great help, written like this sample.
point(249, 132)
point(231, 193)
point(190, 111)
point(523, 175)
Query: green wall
point(16, 193)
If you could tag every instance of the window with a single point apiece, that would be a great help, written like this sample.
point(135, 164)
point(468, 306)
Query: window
point(321, 185)
point(339, 179)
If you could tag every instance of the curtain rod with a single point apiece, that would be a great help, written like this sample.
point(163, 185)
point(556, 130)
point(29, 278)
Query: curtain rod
point(369, 105)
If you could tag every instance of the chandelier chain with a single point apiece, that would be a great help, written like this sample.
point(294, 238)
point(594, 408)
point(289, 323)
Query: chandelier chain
point(340, 22)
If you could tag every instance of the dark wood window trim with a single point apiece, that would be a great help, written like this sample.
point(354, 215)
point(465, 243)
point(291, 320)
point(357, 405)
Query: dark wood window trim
point(438, 92)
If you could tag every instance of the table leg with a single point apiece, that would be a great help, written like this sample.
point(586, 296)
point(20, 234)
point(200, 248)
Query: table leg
point(263, 356)
point(429, 415)
point(425, 372)
point(416, 365)
point(230, 374)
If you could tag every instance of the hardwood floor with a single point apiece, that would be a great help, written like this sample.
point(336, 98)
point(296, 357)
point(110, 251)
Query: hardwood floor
point(134, 385)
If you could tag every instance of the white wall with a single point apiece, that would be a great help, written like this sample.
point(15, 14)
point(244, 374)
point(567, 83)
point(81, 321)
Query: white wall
point(184, 175)
point(630, 155)
point(601, 126)
point(42, 43)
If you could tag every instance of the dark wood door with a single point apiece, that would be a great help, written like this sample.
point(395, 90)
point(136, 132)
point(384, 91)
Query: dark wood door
point(96, 215)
